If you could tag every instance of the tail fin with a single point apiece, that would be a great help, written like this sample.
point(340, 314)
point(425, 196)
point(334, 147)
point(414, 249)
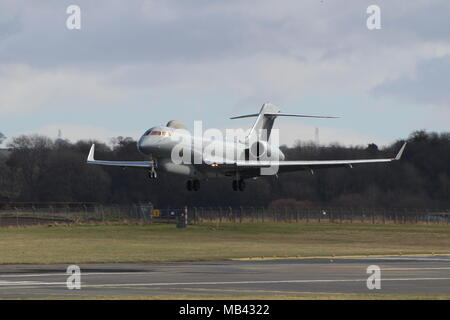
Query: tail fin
point(266, 118)
point(264, 122)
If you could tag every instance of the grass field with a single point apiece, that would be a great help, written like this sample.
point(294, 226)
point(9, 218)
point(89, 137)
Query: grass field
point(163, 242)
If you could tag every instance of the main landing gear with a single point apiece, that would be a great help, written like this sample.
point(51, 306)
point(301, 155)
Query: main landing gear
point(152, 173)
point(193, 185)
point(238, 185)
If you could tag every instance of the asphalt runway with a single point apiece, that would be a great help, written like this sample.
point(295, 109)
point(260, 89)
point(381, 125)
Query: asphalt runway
point(399, 275)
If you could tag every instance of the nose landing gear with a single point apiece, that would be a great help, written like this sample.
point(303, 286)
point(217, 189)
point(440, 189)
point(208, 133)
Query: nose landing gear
point(193, 185)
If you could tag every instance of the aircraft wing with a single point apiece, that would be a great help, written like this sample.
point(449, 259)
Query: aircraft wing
point(136, 164)
point(285, 166)
point(315, 164)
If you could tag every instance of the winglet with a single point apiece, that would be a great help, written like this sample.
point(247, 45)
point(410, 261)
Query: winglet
point(91, 154)
point(399, 154)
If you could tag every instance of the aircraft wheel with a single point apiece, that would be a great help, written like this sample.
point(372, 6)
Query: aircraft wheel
point(152, 174)
point(235, 185)
point(196, 185)
point(189, 185)
point(241, 185)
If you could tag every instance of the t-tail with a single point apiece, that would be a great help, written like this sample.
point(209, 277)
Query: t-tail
point(266, 118)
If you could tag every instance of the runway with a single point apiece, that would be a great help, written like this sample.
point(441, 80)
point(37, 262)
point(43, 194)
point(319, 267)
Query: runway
point(399, 275)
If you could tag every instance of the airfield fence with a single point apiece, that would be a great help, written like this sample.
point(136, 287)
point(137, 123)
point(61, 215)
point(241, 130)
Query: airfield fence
point(75, 213)
point(318, 215)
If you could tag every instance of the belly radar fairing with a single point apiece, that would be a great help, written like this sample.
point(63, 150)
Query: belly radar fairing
point(173, 149)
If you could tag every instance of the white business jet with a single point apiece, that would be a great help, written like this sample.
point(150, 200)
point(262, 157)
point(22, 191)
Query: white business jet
point(242, 159)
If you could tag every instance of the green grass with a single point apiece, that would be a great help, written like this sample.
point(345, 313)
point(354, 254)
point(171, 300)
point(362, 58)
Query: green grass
point(163, 242)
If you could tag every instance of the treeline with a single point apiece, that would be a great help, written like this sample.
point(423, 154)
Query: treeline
point(38, 169)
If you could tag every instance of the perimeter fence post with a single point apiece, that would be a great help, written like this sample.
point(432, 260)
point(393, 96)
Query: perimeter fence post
point(240, 214)
point(17, 216)
point(194, 218)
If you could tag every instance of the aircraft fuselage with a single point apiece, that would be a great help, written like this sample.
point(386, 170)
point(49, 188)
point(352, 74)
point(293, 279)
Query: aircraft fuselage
point(159, 144)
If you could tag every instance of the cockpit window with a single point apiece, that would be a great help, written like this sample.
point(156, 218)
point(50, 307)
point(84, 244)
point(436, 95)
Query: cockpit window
point(158, 133)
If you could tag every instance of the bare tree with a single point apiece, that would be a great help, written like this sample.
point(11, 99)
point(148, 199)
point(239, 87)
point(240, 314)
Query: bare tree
point(37, 168)
point(28, 161)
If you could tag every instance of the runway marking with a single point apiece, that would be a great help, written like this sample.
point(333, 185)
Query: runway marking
point(28, 283)
point(253, 282)
point(32, 284)
point(251, 291)
point(62, 274)
point(343, 257)
point(410, 259)
point(405, 269)
point(18, 275)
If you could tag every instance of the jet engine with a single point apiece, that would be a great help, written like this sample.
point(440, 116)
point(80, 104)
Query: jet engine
point(258, 150)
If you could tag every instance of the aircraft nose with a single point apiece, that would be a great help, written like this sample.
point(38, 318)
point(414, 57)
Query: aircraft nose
point(139, 145)
point(148, 144)
point(144, 145)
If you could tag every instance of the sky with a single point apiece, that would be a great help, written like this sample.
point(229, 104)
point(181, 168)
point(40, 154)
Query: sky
point(137, 64)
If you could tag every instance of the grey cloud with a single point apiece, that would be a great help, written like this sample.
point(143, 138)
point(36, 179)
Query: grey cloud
point(111, 34)
point(429, 85)
point(428, 22)
point(117, 32)
point(152, 42)
point(9, 27)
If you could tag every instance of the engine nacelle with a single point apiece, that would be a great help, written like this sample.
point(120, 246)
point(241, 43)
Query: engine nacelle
point(261, 150)
point(182, 169)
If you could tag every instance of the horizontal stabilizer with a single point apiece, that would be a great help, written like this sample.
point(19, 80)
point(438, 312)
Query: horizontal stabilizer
point(279, 114)
point(266, 118)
